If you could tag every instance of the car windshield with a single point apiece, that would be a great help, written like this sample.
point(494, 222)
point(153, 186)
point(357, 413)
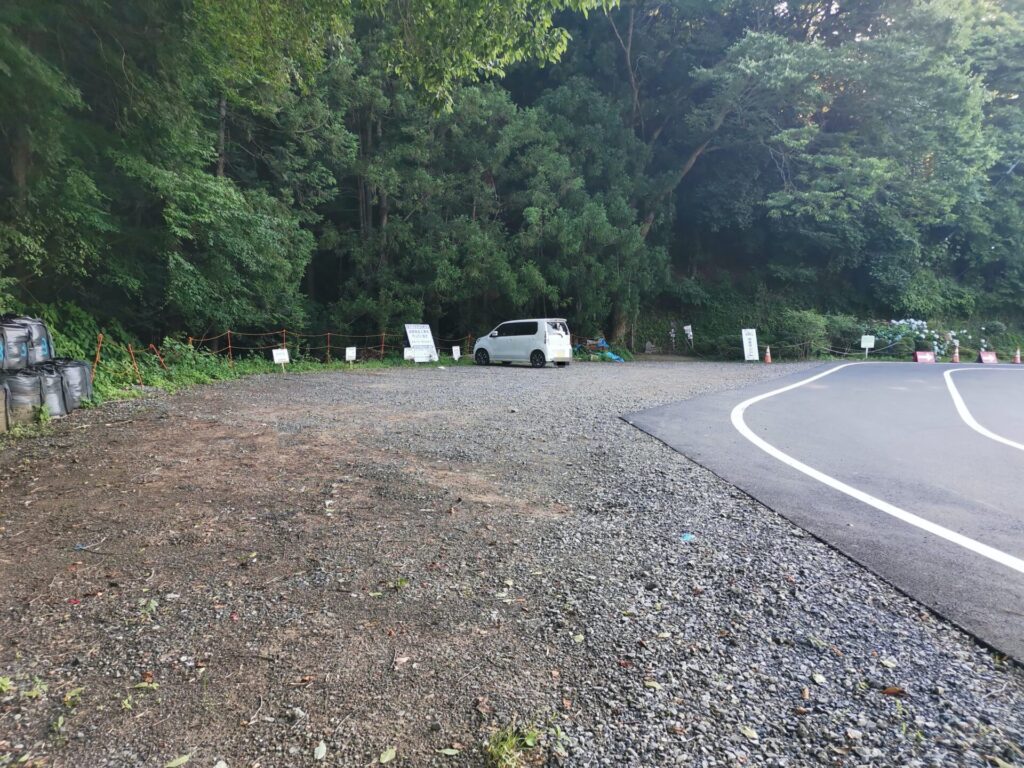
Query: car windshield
point(558, 327)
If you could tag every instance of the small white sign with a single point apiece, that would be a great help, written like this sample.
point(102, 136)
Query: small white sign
point(407, 353)
point(421, 339)
point(750, 344)
point(280, 356)
point(350, 354)
point(688, 330)
point(456, 353)
point(867, 342)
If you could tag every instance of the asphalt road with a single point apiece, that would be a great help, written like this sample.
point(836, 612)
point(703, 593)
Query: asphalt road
point(877, 460)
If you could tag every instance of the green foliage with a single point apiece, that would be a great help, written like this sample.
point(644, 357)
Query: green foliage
point(508, 747)
point(182, 168)
point(799, 333)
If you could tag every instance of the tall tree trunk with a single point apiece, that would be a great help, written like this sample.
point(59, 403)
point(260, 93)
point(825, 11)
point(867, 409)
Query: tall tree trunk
point(21, 160)
point(626, 43)
point(222, 136)
point(384, 209)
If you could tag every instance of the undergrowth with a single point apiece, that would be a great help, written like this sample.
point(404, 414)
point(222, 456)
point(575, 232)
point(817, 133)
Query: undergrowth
point(183, 366)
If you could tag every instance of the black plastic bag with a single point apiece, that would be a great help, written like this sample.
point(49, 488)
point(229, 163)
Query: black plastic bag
point(52, 384)
point(14, 345)
point(40, 342)
point(77, 377)
point(26, 390)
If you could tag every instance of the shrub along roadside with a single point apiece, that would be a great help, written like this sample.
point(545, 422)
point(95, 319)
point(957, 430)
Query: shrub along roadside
point(799, 334)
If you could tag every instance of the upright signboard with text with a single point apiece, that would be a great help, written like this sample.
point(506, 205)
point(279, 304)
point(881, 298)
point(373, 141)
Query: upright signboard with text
point(421, 342)
point(750, 344)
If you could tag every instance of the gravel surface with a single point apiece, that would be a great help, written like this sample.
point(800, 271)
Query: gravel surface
point(418, 557)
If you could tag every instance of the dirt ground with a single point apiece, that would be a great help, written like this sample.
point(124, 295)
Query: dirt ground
point(173, 584)
point(390, 567)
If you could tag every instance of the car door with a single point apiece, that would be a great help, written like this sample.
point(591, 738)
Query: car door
point(524, 340)
point(501, 341)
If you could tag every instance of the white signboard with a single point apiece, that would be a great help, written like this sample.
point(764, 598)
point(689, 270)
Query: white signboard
point(688, 330)
point(280, 356)
point(456, 353)
point(750, 344)
point(350, 354)
point(422, 342)
point(407, 353)
point(867, 342)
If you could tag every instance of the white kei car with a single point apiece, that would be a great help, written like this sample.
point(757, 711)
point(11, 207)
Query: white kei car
point(538, 341)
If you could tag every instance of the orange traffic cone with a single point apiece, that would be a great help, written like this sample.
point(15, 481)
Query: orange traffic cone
point(956, 355)
point(1016, 356)
point(768, 355)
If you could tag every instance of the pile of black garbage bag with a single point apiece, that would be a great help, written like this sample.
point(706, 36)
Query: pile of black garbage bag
point(32, 376)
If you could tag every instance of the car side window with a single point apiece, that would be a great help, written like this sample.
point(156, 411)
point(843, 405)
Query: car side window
point(527, 329)
point(506, 329)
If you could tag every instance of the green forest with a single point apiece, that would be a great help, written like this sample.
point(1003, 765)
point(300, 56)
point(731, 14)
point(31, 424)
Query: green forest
point(177, 168)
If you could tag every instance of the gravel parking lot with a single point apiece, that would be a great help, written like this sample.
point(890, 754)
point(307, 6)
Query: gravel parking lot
point(310, 570)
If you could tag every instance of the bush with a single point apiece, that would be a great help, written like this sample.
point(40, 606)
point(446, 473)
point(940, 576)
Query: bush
point(844, 332)
point(800, 333)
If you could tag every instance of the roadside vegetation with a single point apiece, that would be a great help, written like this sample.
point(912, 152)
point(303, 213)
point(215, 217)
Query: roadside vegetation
point(787, 166)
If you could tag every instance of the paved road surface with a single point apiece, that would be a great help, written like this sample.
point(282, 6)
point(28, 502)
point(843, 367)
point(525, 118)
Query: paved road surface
point(890, 434)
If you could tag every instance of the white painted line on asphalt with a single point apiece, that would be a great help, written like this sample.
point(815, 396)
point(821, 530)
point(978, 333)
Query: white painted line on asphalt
point(1015, 563)
point(965, 414)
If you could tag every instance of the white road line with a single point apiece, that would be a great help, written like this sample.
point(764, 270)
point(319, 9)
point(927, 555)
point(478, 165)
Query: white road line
point(961, 407)
point(977, 547)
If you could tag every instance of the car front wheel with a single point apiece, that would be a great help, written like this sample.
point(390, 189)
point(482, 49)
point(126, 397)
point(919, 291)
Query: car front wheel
point(482, 358)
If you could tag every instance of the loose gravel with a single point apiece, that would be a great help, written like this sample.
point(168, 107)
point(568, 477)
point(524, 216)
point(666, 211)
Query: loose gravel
point(544, 563)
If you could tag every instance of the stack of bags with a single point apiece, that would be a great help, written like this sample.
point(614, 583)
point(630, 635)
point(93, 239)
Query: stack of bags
point(32, 377)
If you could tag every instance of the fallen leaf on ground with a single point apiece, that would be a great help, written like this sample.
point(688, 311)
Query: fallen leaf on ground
point(654, 684)
point(178, 761)
point(889, 662)
point(749, 732)
point(894, 690)
point(388, 755)
point(320, 752)
point(818, 678)
point(449, 751)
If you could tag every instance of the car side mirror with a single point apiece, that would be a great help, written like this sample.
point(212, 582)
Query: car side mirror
point(494, 334)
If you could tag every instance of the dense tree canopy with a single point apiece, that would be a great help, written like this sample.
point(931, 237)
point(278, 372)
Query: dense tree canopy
point(179, 166)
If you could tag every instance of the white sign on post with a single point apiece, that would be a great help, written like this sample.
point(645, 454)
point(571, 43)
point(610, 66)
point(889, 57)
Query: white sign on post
point(280, 357)
point(750, 344)
point(688, 330)
point(456, 353)
point(421, 340)
point(866, 343)
point(350, 354)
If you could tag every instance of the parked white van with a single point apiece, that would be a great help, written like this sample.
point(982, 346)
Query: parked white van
point(538, 341)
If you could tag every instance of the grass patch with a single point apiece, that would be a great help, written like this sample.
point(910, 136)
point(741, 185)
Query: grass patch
point(508, 747)
point(183, 366)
